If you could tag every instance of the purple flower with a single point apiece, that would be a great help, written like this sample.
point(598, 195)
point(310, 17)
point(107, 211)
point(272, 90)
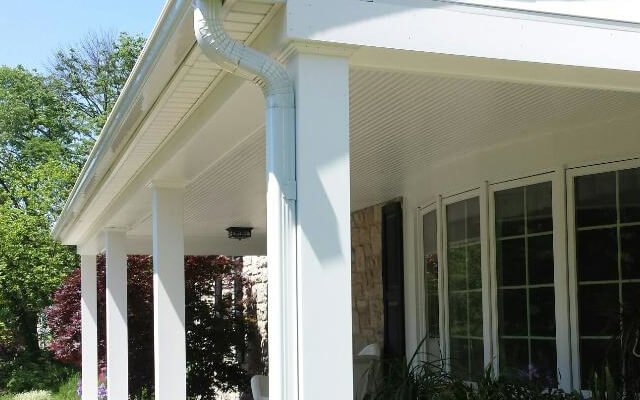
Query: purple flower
point(79, 389)
point(102, 392)
point(532, 372)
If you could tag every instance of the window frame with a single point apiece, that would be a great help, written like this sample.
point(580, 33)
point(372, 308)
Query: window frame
point(571, 174)
point(482, 194)
point(563, 356)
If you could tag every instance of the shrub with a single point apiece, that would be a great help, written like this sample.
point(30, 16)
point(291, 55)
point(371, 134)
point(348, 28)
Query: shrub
point(35, 395)
point(68, 390)
point(26, 372)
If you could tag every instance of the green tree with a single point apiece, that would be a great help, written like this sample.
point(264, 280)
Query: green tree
point(92, 73)
point(37, 169)
point(48, 122)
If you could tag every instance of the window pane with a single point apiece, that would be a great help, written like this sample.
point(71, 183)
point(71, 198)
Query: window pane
point(593, 353)
point(539, 210)
point(460, 357)
point(476, 354)
point(465, 287)
point(598, 309)
point(526, 313)
point(458, 314)
point(430, 246)
point(513, 312)
point(543, 361)
point(596, 199)
point(475, 314)
point(429, 233)
point(457, 263)
point(474, 266)
point(509, 212)
point(540, 255)
point(473, 219)
point(631, 299)
point(456, 222)
point(514, 356)
point(630, 257)
point(510, 262)
point(630, 195)
point(543, 311)
point(597, 254)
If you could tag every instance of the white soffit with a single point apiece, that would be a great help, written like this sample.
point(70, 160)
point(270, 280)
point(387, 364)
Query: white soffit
point(402, 123)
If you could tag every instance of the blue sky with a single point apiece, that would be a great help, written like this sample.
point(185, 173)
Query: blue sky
point(30, 31)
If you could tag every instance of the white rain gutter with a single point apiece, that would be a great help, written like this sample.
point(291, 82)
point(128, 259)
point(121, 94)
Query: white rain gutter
point(104, 154)
point(243, 61)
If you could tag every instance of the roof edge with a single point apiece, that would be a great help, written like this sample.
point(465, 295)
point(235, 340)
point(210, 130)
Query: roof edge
point(102, 155)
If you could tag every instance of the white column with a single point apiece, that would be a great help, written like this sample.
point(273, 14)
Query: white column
point(324, 232)
point(168, 293)
point(117, 337)
point(89, 312)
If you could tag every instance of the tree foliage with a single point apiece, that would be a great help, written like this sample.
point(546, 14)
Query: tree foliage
point(92, 73)
point(47, 124)
point(36, 171)
point(217, 325)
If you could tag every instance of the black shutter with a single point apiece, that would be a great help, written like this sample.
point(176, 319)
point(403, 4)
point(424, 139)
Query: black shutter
point(393, 281)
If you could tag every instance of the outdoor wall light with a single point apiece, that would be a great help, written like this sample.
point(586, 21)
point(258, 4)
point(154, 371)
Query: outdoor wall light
point(239, 232)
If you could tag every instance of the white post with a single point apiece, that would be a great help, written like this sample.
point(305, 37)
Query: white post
point(89, 312)
point(324, 231)
point(168, 293)
point(117, 337)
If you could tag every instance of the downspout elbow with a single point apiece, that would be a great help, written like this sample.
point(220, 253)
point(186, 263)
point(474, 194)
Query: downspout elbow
point(239, 59)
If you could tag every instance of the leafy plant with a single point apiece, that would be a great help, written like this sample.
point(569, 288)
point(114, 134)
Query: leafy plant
point(429, 380)
point(22, 372)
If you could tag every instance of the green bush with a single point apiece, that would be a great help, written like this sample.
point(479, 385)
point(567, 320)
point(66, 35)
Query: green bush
point(68, 390)
point(31, 372)
point(35, 395)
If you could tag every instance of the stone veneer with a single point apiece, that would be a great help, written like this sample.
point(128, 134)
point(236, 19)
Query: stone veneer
point(255, 272)
point(366, 277)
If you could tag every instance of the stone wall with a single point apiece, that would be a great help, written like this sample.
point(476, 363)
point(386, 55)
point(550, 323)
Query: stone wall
point(366, 277)
point(255, 273)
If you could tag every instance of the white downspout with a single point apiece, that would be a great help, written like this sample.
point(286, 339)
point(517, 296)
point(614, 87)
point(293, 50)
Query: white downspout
point(277, 86)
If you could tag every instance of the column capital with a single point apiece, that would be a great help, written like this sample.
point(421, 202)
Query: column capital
point(325, 49)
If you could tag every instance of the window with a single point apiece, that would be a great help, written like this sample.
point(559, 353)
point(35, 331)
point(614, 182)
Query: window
point(466, 351)
point(607, 262)
point(563, 283)
point(524, 265)
point(430, 254)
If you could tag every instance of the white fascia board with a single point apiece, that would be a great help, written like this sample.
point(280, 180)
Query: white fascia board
point(613, 10)
point(467, 30)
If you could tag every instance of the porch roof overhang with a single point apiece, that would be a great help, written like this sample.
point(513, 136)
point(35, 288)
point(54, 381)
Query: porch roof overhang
point(169, 81)
point(180, 119)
